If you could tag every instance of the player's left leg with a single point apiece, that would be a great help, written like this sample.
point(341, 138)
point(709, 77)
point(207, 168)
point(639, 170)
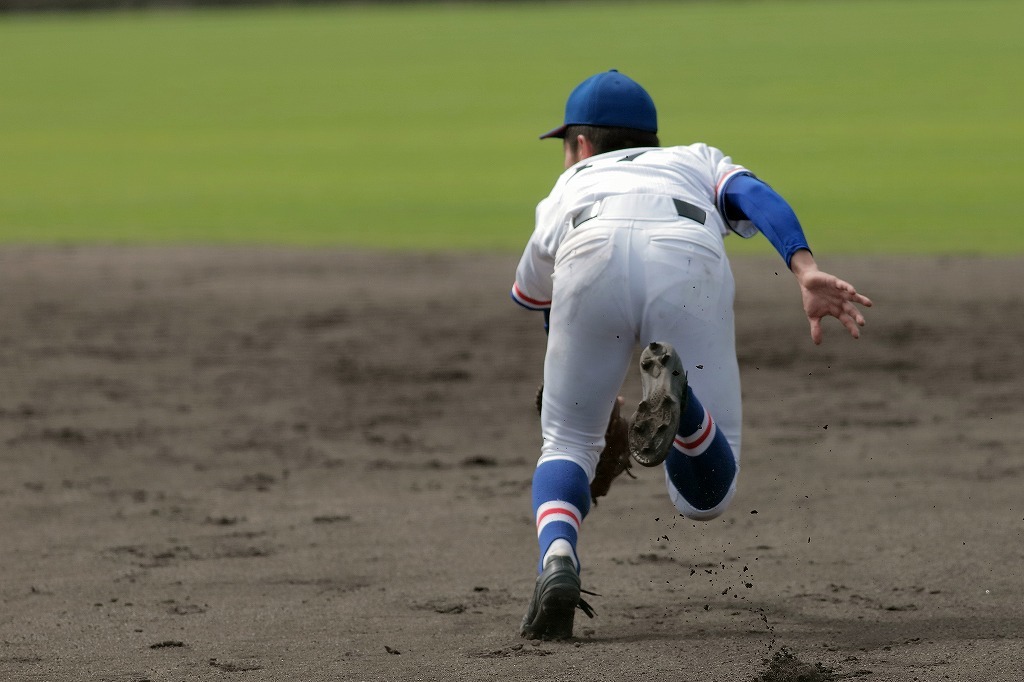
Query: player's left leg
point(590, 342)
point(561, 499)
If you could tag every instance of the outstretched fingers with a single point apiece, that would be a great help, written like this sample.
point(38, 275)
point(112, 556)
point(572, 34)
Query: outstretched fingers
point(851, 316)
point(851, 295)
point(828, 296)
point(852, 322)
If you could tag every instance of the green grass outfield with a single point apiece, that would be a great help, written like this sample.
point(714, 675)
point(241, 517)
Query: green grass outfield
point(890, 125)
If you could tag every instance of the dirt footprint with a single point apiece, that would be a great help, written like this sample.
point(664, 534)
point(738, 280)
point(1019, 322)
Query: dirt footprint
point(784, 666)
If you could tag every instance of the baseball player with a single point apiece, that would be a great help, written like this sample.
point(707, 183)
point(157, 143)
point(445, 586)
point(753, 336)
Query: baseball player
point(628, 248)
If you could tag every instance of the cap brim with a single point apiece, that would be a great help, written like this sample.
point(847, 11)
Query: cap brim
point(557, 132)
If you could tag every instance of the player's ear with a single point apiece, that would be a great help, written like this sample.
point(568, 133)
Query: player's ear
point(584, 148)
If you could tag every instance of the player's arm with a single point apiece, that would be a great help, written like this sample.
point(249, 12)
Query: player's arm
point(747, 198)
point(823, 295)
point(532, 286)
point(531, 303)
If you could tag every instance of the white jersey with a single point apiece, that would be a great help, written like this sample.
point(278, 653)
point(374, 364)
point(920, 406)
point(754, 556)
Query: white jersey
point(694, 173)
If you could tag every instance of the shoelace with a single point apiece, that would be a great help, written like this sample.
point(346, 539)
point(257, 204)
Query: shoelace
point(583, 606)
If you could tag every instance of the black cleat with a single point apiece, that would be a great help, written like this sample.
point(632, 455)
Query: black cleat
point(555, 599)
point(656, 420)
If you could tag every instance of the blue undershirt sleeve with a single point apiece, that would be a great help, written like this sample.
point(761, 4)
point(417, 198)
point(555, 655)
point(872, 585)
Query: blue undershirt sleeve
point(746, 197)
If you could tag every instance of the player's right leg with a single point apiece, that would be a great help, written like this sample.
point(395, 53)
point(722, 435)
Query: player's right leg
point(672, 426)
point(653, 426)
point(701, 467)
point(690, 291)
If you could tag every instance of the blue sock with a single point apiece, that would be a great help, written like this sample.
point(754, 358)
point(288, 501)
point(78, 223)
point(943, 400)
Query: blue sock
point(700, 464)
point(561, 498)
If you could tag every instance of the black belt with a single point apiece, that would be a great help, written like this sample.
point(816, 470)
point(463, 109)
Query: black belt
point(683, 208)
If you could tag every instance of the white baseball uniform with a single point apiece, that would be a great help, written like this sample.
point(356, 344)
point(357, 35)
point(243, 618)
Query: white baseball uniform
point(628, 248)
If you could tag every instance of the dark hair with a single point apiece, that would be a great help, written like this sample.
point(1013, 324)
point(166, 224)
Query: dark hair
point(609, 139)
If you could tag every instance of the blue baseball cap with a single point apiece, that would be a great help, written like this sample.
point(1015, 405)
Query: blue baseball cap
point(608, 99)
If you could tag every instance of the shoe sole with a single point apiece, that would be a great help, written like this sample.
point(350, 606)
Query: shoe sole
point(656, 420)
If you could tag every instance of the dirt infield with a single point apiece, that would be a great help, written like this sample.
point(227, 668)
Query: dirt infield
point(299, 465)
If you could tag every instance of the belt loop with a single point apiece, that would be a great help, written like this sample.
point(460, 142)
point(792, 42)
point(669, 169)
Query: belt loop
point(688, 210)
point(586, 214)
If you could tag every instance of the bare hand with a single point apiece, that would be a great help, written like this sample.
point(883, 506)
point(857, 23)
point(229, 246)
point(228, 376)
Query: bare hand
point(826, 295)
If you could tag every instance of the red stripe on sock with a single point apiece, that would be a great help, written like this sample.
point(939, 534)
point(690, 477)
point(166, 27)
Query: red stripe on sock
point(696, 444)
point(557, 510)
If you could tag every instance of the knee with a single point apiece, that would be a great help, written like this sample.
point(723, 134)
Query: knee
point(702, 514)
point(585, 460)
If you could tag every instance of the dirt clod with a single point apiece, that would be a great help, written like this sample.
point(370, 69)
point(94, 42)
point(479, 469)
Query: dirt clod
point(784, 666)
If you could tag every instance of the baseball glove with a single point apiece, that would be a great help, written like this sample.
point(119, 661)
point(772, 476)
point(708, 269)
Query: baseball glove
point(615, 458)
